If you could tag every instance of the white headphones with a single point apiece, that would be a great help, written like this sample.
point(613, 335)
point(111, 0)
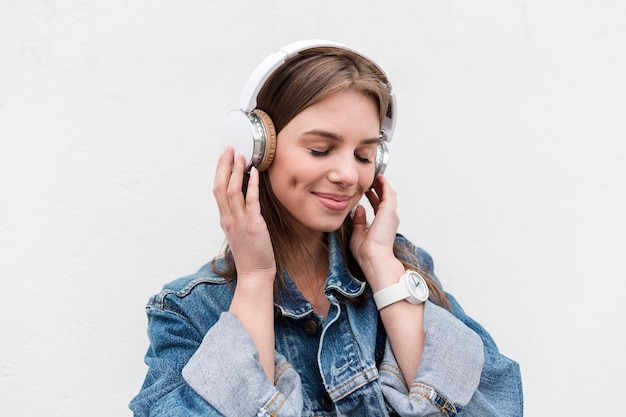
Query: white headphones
point(251, 132)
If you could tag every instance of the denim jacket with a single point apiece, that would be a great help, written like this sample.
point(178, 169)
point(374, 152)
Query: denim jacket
point(202, 362)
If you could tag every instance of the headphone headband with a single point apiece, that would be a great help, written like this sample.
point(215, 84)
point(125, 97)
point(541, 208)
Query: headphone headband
point(247, 100)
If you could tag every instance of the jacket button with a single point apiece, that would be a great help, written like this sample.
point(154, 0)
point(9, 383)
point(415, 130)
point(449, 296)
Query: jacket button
point(327, 402)
point(310, 327)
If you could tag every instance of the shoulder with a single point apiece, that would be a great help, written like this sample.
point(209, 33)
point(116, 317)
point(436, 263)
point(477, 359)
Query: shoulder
point(194, 296)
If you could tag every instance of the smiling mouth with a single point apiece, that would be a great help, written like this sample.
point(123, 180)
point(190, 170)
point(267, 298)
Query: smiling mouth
point(335, 202)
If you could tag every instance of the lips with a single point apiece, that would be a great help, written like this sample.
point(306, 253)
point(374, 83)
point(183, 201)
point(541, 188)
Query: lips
point(335, 202)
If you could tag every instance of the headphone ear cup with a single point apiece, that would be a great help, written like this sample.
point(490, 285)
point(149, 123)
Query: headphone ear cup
point(270, 139)
point(382, 156)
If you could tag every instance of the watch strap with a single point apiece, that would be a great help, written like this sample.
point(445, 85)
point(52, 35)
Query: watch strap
point(406, 289)
point(391, 294)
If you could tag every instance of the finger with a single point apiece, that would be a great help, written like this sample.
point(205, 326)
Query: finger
point(381, 184)
point(377, 185)
point(359, 229)
point(372, 197)
point(252, 194)
point(222, 178)
point(384, 201)
point(385, 192)
point(233, 192)
point(359, 220)
point(389, 194)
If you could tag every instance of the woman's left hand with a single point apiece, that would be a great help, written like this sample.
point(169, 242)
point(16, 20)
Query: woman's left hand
point(372, 246)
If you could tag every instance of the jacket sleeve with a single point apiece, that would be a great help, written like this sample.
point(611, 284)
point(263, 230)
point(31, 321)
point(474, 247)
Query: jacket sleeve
point(462, 372)
point(226, 372)
point(164, 392)
point(217, 374)
point(500, 391)
point(449, 372)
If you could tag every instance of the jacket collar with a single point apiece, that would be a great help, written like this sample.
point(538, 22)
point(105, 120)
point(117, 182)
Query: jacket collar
point(339, 283)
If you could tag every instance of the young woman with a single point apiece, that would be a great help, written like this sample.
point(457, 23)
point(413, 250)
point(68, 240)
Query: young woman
point(286, 323)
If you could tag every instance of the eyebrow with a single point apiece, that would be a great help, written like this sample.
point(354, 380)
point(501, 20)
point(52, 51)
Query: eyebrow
point(334, 136)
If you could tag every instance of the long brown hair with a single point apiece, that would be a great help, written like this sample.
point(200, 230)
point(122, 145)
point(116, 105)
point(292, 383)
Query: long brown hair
point(302, 81)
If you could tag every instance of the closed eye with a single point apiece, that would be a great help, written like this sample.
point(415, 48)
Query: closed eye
point(362, 159)
point(316, 152)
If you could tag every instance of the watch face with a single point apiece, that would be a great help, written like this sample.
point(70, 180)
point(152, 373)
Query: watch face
point(418, 286)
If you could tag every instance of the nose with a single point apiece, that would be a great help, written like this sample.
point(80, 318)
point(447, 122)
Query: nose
point(344, 171)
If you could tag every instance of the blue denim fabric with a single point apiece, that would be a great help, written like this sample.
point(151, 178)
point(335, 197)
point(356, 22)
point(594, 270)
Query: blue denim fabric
point(202, 362)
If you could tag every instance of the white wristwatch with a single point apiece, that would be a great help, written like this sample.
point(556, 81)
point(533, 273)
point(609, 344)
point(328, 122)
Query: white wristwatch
point(411, 287)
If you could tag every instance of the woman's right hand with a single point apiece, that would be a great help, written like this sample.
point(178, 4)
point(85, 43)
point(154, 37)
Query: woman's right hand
point(251, 246)
point(240, 218)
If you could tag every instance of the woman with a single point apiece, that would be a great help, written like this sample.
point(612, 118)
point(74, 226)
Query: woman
point(286, 323)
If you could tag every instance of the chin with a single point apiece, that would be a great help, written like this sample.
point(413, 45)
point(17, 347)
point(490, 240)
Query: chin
point(324, 223)
point(330, 227)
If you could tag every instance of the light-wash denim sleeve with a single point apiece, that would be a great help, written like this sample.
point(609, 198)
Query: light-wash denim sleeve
point(449, 372)
point(225, 371)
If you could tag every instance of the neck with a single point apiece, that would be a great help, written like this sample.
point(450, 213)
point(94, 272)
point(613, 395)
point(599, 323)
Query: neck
point(309, 261)
point(308, 268)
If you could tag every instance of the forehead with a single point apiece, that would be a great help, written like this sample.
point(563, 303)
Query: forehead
point(342, 111)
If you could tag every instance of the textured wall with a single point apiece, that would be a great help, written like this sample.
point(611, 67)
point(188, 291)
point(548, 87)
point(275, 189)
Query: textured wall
point(508, 159)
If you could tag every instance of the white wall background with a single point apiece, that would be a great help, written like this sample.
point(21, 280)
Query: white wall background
point(508, 158)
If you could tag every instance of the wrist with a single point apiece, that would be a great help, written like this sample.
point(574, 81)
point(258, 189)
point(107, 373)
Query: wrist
point(252, 299)
point(384, 274)
point(255, 288)
point(256, 276)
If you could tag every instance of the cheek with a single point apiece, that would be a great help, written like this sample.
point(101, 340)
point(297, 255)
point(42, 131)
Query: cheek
point(366, 177)
point(285, 175)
